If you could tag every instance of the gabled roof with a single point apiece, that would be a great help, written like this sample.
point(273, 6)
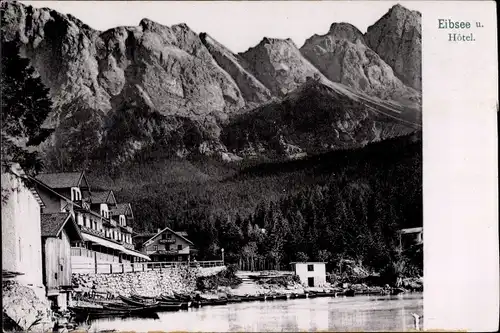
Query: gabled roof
point(53, 224)
point(107, 197)
point(162, 231)
point(59, 195)
point(63, 179)
point(17, 171)
point(122, 209)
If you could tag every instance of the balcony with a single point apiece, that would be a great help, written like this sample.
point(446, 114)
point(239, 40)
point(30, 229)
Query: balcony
point(126, 228)
point(92, 231)
point(129, 246)
point(166, 241)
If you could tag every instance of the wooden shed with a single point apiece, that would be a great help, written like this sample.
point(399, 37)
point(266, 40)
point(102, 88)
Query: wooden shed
point(58, 230)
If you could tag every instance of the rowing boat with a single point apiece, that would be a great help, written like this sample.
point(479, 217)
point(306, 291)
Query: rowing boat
point(135, 302)
point(137, 296)
point(110, 311)
point(205, 302)
point(182, 297)
point(168, 298)
point(280, 297)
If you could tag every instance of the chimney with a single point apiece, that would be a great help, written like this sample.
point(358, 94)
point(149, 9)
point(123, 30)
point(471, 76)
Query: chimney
point(158, 230)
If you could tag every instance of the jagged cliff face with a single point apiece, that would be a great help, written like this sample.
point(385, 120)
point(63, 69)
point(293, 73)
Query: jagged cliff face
point(397, 38)
point(343, 56)
point(340, 120)
point(279, 65)
point(153, 89)
point(167, 68)
point(253, 90)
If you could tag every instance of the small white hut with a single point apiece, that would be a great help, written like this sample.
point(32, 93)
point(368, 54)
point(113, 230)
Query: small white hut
point(311, 274)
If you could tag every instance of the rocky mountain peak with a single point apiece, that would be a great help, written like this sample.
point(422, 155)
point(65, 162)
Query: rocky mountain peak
point(397, 39)
point(398, 9)
point(343, 56)
point(274, 41)
point(168, 68)
point(253, 90)
point(346, 31)
point(147, 24)
point(278, 64)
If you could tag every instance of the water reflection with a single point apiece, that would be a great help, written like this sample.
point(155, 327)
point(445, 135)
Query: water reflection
point(354, 313)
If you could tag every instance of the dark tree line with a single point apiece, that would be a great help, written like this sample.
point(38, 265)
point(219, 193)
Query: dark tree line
point(343, 205)
point(25, 105)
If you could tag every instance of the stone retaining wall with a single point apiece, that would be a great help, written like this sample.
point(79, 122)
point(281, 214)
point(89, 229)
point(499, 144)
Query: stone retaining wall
point(149, 283)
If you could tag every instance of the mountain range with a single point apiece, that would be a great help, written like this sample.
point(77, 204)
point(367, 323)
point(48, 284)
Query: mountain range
point(130, 93)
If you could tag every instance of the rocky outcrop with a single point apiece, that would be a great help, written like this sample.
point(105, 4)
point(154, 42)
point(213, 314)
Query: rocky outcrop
point(24, 309)
point(252, 90)
point(166, 68)
point(342, 56)
point(397, 39)
point(315, 118)
point(279, 65)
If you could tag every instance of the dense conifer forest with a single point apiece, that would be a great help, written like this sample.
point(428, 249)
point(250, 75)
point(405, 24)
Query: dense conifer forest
point(339, 205)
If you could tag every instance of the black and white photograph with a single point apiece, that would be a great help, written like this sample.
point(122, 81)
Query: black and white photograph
point(212, 166)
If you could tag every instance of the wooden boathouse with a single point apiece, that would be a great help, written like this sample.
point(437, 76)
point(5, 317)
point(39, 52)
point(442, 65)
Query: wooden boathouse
point(58, 230)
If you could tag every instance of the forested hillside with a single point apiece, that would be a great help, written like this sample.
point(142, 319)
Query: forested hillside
point(343, 204)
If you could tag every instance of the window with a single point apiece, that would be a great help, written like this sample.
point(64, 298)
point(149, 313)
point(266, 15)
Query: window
point(155, 247)
point(310, 268)
point(179, 247)
point(79, 219)
point(169, 236)
point(75, 194)
point(163, 236)
point(104, 210)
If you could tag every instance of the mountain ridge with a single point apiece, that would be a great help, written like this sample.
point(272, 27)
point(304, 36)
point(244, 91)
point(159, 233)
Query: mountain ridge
point(167, 78)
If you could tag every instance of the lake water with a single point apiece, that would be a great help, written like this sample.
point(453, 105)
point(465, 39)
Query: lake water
point(368, 313)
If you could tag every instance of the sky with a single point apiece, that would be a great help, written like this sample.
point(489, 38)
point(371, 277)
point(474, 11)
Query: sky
point(236, 24)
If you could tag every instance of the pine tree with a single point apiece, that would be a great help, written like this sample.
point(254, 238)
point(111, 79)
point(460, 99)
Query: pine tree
point(25, 106)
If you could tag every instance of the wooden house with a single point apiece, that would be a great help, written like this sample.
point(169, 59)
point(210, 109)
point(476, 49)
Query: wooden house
point(168, 245)
point(58, 230)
